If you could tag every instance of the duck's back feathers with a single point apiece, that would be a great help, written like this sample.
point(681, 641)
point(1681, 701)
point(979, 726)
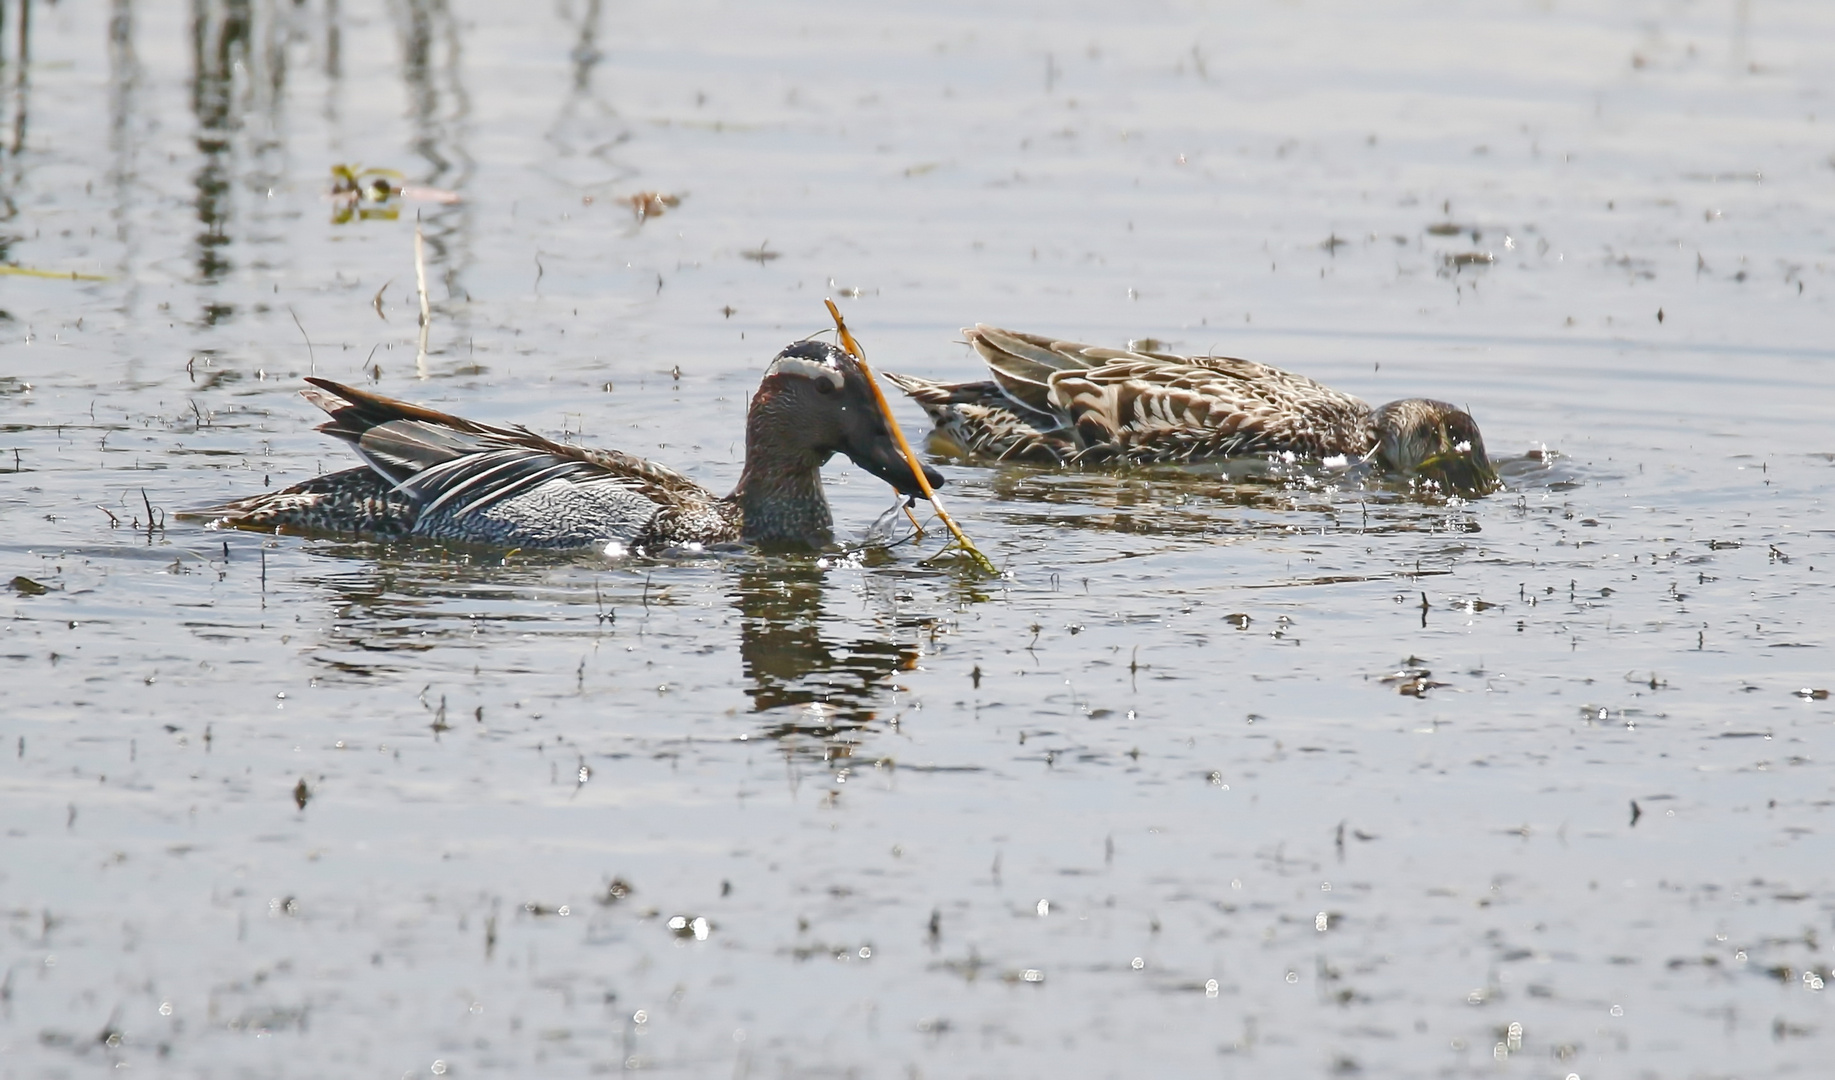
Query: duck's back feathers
point(1144, 408)
point(434, 451)
point(1064, 401)
point(440, 476)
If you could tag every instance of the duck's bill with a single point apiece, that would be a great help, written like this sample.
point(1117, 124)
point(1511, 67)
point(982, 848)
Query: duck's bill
point(882, 457)
point(1466, 474)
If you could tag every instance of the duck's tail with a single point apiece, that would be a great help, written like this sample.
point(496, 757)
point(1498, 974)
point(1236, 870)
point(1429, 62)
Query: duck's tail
point(934, 396)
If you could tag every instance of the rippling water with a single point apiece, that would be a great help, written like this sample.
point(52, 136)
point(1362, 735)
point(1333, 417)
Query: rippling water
point(1267, 775)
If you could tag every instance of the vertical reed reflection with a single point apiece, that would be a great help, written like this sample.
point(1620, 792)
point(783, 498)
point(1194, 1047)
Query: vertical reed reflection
point(18, 100)
point(587, 124)
point(438, 107)
point(586, 54)
point(219, 44)
point(22, 85)
point(334, 42)
point(124, 77)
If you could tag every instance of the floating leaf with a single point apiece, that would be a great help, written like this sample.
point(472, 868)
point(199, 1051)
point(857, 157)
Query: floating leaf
point(649, 204)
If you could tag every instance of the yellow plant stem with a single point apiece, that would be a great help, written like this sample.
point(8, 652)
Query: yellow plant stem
point(917, 467)
point(49, 275)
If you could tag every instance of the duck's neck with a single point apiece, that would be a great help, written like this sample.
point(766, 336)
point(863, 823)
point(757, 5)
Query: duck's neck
point(780, 491)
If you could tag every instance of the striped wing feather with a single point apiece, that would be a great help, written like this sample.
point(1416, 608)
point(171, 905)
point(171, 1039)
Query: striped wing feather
point(442, 461)
point(1023, 364)
point(982, 419)
point(1054, 400)
point(1151, 409)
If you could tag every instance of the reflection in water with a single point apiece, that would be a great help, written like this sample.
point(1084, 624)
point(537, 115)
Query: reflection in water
point(587, 129)
point(423, 95)
point(124, 77)
point(1173, 501)
point(18, 102)
point(819, 694)
point(238, 82)
point(334, 43)
point(394, 602)
point(21, 77)
point(818, 681)
point(586, 54)
point(1195, 503)
point(438, 107)
point(219, 46)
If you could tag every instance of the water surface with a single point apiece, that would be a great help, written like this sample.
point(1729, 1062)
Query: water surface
point(1275, 776)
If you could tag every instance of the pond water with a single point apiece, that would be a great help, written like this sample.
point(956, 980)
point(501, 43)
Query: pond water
point(1240, 777)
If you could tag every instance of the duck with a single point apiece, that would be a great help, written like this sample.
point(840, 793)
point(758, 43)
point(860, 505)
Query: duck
point(434, 476)
point(1063, 402)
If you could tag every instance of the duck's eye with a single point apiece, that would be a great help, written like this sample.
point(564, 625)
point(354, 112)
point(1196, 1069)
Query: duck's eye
point(824, 387)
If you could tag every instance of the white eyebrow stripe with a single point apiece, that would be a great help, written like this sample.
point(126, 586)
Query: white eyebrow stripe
point(809, 369)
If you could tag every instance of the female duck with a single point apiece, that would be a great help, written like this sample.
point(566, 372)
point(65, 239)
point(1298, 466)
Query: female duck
point(439, 477)
point(1061, 402)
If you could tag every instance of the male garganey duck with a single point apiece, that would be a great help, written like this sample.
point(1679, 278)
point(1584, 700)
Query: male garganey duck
point(1060, 402)
point(430, 475)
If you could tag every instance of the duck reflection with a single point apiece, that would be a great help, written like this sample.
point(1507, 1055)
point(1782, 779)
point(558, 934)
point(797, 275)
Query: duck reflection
point(1194, 502)
point(818, 693)
point(817, 681)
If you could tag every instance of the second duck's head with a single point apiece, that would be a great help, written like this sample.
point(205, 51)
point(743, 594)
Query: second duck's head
point(1435, 441)
point(815, 402)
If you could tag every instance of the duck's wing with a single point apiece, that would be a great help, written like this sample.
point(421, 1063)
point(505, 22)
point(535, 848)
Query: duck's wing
point(1087, 402)
point(979, 419)
point(451, 464)
point(1023, 364)
point(1158, 407)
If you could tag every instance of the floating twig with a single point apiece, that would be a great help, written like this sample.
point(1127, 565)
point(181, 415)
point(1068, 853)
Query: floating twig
point(917, 467)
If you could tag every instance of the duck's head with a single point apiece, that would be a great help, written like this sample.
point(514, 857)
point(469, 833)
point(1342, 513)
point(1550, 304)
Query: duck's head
point(815, 401)
point(1438, 442)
